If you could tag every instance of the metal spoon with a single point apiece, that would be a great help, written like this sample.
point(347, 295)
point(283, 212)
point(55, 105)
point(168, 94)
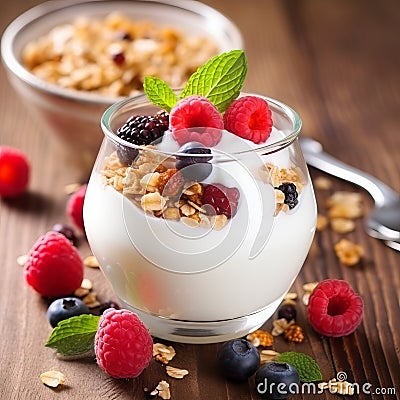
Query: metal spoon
point(384, 222)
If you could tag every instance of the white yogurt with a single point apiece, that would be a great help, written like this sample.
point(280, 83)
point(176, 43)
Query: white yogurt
point(171, 270)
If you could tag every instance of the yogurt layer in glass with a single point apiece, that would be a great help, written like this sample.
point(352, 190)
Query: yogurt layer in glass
point(190, 274)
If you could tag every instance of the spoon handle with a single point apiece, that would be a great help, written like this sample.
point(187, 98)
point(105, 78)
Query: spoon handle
point(316, 157)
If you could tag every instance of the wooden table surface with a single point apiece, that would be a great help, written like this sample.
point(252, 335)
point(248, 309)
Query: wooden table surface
point(337, 63)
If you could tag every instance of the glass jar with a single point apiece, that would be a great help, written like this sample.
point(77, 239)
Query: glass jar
point(206, 252)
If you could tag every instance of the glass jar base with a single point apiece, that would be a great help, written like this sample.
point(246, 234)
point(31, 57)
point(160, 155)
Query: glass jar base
point(203, 332)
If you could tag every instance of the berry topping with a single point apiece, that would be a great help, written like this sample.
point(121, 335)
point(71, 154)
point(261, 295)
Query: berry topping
point(238, 359)
point(54, 267)
point(287, 311)
point(67, 231)
point(75, 207)
point(250, 118)
point(195, 112)
point(194, 168)
point(14, 172)
point(334, 309)
point(65, 308)
point(123, 345)
point(290, 192)
point(277, 380)
point(141, 130)
point(224, 200)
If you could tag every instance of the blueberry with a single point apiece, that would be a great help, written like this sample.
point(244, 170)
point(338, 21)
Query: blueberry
point(65, 308)
point(276, 380)
point(67, 231)
point(238, 359)
point(287, 311)
point(194, 168)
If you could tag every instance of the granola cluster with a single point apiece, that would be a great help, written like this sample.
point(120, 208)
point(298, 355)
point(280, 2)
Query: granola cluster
point(112, 55)
point(154, 184)
point(277, 176)
point(343, 208)
point(160, 190)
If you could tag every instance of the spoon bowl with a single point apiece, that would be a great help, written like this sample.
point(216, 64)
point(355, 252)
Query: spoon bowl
point(384, 221)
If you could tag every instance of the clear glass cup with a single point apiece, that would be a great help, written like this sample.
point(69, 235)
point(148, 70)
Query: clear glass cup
point(193, 276)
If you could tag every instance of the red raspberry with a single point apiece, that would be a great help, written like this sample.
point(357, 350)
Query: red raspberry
point(194, 112)
point(224, 200)
point(54, 267)
point(14, 172)
point(75, 207)
point(334, 309)
point(122, 344)
point(250, 118)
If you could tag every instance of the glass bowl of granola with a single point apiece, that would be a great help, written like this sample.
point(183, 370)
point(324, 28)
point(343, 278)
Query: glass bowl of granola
point(200, 219)
point(69, 60)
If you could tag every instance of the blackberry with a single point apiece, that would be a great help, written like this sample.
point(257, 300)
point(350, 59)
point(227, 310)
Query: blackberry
point(290, 191)
point(141, 130)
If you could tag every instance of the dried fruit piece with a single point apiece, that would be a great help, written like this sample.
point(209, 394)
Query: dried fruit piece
point(53, 378)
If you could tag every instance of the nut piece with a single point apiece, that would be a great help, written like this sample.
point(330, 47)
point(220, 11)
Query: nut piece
point(345, 205)
point(163, 390)
point(260, 338)
point(349, 253)
point(91, 261)
point(52, 378)
point(342, 225)
point(163, 353)
point(176, 372)
point(21, 260)
point(294, 333)
point(322, 183)
point(153, 202)
point(267, 356)
point(280, 326)
point(322, 222)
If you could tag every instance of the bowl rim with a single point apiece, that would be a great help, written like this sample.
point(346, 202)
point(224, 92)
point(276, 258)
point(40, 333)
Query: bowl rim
point(12, 62)
point(263, 149)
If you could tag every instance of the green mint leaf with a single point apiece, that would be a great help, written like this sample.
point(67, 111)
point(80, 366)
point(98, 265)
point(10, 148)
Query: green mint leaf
point(220, 79)
point(306, 367)
point(74, 335)
point(159, 93)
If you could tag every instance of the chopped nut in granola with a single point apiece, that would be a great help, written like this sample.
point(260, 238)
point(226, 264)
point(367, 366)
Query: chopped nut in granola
point(161, 390)
point(349, 253)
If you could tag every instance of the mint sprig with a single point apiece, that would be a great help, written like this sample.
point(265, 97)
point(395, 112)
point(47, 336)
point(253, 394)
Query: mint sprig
point(220, 80)
point(74, 335)
point(306, 367)
point(159, 92)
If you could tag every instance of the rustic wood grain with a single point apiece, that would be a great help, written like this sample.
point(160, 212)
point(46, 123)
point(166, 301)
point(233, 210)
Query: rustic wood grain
point(337, 63)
